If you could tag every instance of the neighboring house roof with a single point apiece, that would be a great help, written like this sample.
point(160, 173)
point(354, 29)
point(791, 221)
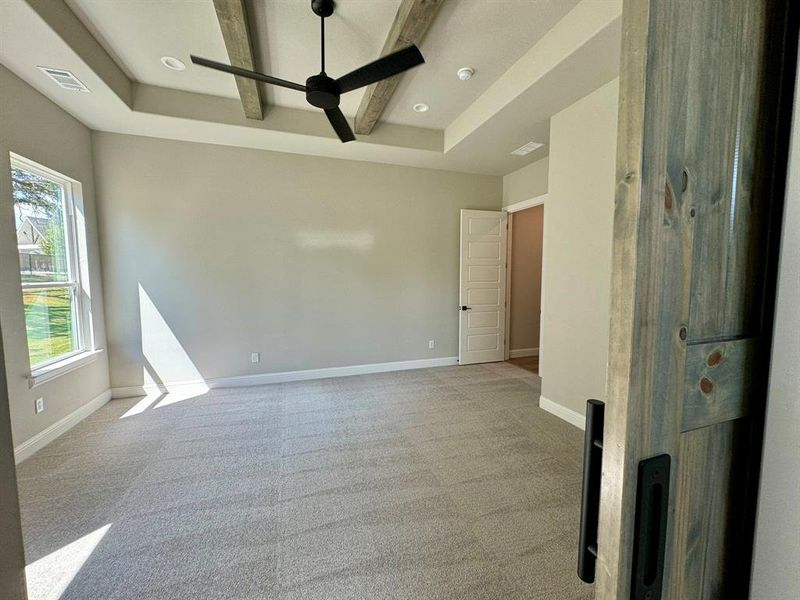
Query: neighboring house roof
point(40, 224)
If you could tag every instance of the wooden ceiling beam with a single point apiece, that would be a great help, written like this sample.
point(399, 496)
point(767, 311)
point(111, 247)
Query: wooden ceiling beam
point(232, 17)
point(412, 21)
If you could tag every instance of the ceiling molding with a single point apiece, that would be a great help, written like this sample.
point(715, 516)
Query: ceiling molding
point(63, 22)
point(189, 106)
point(41, 32)
point(232, 17)
point(586, 22)
point(412, 21)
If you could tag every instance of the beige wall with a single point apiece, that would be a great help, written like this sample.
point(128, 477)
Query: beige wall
point(213, 252)
point(778, 526)
point(12, 557)
point(526, 277)
point(577, 249)
point(34, 127)
point(526, 183)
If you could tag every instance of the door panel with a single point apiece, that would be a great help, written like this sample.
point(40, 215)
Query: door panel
point(481, 320)
point(482, 286)
point(720, 152)
point(709, 514)
point(718, 382)
point(484, 297)
point(701, 158)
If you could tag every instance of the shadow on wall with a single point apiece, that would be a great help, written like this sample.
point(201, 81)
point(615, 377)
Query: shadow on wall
point(168, 375)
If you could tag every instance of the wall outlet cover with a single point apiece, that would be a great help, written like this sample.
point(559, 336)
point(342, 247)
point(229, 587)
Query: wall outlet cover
point(39, 405)
point(431, 344)
point(254, 357)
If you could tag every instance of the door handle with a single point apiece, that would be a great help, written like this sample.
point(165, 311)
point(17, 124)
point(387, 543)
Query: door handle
point(650, 533)
point(590, 498)
point(464, 307)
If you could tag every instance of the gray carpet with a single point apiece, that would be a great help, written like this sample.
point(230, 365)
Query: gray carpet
point(444, 483)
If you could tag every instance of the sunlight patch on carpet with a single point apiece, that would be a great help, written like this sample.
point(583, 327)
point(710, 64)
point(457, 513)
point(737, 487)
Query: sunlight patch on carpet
point(50, 576)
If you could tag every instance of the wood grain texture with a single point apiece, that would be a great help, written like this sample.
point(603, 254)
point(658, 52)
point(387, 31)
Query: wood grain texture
point(650, 271)
point(721, 143)
point(723, 90)
point(232, 17)
point(719, 382)
point(412, 21)
point(692, 221)
point(708, 526)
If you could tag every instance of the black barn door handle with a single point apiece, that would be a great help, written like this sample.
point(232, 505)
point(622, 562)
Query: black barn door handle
point(590, 499)
point(650, 533)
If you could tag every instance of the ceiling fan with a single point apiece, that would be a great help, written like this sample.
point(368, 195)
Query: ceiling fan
point(323, 91)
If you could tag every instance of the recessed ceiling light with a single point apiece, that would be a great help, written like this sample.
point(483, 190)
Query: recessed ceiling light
point(527, 148)
point(172, 63)
point(465, 73)
point(421, 107)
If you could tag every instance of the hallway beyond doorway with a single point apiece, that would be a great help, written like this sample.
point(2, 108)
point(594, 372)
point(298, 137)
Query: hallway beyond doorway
point(529, 363)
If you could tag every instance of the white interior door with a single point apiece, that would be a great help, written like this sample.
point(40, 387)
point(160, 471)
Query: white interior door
point(482, 294)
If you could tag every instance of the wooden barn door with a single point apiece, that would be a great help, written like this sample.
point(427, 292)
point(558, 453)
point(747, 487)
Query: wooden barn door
point(704, 117)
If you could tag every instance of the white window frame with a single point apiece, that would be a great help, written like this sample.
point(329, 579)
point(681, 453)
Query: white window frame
point(84, 343)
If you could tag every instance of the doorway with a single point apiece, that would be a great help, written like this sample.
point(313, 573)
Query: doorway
point(524, 283)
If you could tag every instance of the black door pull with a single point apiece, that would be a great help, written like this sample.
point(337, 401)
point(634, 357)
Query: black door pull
point(650, 533)
point(590, 499)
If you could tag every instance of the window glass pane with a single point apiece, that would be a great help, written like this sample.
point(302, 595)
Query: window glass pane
point(46, 256)
point(50, 322)
point(41, 227)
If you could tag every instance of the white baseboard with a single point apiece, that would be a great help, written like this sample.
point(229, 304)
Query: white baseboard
point(562, 412)
point(286, 376)
point(523, 352)
point(134, 391)
point(131, 391)
point(41, 439)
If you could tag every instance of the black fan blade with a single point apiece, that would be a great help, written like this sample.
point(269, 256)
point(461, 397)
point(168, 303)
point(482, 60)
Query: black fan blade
point(383, 68)
point(218, 66)
point(340, 124)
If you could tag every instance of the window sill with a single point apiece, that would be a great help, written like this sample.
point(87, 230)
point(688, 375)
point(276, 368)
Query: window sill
point(44, 374)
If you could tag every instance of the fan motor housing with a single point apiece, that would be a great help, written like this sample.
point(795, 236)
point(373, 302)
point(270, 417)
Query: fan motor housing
point(322, 91)
point(323, 8)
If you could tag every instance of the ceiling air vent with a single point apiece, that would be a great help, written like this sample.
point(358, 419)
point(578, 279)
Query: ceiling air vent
point(527, 148)
point(65, 79)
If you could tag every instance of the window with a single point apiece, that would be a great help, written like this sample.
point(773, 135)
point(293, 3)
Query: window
point(52, 295)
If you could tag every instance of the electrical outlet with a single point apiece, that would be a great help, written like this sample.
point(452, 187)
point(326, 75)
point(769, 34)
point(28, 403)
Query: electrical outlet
point(39, 405)
point(431, 344)
point(254, 357)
